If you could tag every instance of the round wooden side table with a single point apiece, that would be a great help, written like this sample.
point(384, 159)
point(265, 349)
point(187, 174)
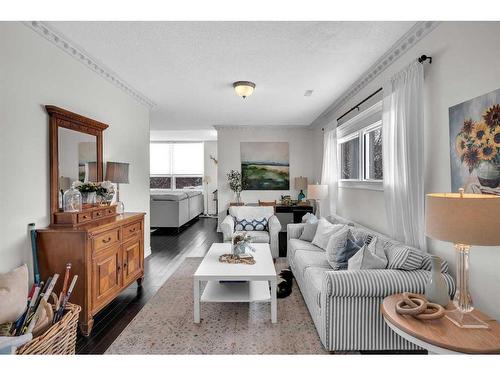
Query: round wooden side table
point(442, 336)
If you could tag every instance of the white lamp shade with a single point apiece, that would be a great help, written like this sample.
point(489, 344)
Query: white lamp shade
point(469, 219)
point(317, 191)
point(300, 183)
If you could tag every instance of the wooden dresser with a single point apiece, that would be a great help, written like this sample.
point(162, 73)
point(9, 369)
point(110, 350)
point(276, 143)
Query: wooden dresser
point(106, 254)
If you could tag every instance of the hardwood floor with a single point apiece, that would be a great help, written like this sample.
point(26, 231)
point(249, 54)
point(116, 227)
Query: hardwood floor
point(168, 250)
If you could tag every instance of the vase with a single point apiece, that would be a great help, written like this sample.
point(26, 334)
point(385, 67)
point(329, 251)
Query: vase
point(89, 198)
point(239, 249)
point(436, 290)
point(488, 174)
point(301, 196)
point(238, 197)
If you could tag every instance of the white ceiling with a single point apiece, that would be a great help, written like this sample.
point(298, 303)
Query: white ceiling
point(187, 68)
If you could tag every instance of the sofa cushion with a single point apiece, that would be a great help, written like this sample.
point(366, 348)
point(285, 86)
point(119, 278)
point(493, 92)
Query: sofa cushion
point(305, 259)
point(344, 254)
point(370, 256)
point(403, 257)
point(256, 236)
point(337, 243)
point(257, 224)
point(251, 212)
point(309, 231)
point(296, 244)
point(324, 232)
point(335, 219)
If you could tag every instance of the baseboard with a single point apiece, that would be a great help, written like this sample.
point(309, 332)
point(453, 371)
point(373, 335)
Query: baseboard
point(147, 252)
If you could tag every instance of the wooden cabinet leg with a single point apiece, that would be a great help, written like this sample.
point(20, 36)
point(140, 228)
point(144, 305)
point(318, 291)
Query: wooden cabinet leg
point(139, 281)
point(87, 328)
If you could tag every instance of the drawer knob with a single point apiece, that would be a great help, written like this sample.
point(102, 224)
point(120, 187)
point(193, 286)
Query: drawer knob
point(106, 240)
point(132, 230)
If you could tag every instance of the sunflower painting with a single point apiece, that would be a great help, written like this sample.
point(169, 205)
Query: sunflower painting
point(475, 144)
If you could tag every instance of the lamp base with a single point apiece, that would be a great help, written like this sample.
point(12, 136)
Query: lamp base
point(465, 320)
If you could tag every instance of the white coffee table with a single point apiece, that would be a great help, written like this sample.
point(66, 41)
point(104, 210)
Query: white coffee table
point(259, 276)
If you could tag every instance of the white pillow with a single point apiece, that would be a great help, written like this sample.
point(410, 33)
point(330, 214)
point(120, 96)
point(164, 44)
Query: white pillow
point(337, 242)
point(371, 256)
point(13, 294)
point(324, 232)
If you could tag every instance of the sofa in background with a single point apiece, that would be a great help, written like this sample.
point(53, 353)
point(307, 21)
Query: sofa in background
point(269, 236)
point(173, 209)
point(345, 305)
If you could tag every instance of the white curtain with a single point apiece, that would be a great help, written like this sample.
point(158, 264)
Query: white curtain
point(403, 155)
point(329, 174)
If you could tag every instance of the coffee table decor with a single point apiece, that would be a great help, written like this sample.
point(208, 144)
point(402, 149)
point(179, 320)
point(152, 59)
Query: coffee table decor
point(240, 244)
point(234, 259)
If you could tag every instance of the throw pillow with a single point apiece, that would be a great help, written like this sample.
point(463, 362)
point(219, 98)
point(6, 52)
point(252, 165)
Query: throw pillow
point(311, 224)
point(308, 217)
point(370, 256)
point(258, 224)
point(337, 243)
point(343, 255)
point(403, 257)
point(13, 294)
point(324, 231)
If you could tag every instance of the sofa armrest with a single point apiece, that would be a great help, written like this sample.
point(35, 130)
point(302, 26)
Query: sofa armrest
point(274, 225)
point(378, 283)
point(227, 227)
point(294, 230)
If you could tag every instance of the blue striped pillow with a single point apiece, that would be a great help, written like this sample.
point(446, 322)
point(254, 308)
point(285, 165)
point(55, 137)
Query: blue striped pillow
point(403, 257)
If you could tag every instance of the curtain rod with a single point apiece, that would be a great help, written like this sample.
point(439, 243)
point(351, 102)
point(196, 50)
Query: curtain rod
point(421, 60)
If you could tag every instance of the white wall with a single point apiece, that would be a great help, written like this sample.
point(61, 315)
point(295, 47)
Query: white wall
point(302, 159)
point(210, 170)
point(464, 66)
point(33, 72)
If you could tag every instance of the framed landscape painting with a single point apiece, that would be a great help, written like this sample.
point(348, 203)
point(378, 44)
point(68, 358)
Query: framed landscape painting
point(475, 144)
point(265, 165)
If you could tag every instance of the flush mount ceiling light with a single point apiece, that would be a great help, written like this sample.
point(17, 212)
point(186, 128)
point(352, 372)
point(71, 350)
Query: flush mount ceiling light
point(244, 88)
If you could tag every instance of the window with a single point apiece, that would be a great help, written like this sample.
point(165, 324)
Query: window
point(176, 165)
point(360, 150)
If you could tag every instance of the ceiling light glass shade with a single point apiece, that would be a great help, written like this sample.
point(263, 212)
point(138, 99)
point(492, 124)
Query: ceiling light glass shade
point(244, 88)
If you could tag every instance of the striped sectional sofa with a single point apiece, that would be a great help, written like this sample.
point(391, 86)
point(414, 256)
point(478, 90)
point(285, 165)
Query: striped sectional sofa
point(345, 305)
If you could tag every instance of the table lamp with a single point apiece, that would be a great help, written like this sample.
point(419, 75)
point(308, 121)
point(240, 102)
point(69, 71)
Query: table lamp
point(117, 173)
point(317, 192)
point(465, 220)
point(301, 184)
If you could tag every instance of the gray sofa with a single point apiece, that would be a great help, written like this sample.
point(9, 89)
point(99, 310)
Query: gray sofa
point(345, 305)
point(172, 209)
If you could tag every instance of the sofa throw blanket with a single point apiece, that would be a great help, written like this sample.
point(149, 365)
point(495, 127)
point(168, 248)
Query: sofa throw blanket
point(257, 224)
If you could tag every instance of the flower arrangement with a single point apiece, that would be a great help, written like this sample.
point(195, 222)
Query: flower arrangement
point(478, 144)
point(234, 180)
point(240, 242)
point(106, 190)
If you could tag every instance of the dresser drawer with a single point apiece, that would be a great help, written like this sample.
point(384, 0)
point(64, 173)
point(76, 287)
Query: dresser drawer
point(132, 230)
point(98, 214)
point(105, 239)
point(83, 217)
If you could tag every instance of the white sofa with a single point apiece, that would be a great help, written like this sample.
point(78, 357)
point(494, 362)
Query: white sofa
point(254, 212)
point(345, 305)
point(173, 209)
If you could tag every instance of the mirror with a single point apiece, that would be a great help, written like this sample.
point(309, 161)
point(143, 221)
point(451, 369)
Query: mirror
point(75, 145)
point(77, 157)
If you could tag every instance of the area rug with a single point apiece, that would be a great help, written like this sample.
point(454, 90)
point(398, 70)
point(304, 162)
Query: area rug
point(165, 325)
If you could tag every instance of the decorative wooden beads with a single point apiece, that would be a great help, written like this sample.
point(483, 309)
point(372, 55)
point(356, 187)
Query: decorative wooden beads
point(418, 307)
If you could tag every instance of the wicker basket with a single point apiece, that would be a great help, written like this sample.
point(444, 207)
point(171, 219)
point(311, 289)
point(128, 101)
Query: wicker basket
point(58, 339)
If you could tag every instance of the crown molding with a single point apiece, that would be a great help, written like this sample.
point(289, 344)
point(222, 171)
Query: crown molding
point(260, 127)
point(408, 40)
point(79, 54)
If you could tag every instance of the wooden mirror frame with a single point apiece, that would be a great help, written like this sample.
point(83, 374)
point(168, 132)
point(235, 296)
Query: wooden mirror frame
point(59, 117)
